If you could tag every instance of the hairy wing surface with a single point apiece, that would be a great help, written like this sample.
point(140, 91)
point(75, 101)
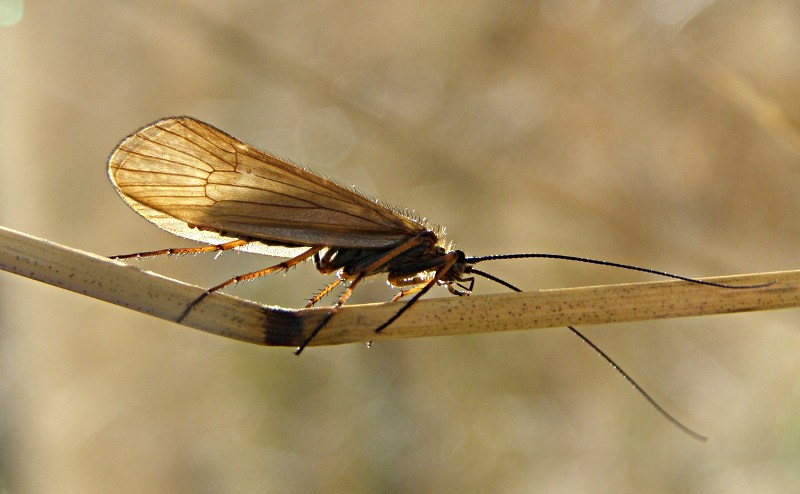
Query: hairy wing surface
point(198, 182)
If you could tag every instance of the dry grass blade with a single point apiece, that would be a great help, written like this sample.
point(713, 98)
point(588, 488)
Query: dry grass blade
point(224, 315)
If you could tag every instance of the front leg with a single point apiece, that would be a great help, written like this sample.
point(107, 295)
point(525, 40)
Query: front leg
point(467, 290)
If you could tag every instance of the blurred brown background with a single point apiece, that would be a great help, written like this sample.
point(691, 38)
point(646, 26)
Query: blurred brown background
point(656, 133)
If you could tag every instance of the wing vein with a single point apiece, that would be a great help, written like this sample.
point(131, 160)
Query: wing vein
point(183, 174)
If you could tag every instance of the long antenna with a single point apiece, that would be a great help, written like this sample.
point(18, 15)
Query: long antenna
point(638, 388)
point(475, 260)
point(686, 430)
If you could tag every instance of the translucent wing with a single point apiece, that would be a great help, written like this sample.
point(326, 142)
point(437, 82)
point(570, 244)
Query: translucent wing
point(195, 181)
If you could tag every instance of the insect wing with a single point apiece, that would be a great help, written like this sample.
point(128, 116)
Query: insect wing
point(198, 182)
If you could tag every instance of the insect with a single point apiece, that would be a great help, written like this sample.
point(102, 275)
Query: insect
point(196, 181)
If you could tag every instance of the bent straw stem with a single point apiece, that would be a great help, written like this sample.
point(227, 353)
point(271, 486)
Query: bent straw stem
point(224, 315)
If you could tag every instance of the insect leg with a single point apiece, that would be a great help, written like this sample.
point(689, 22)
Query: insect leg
point(420, 281)
point(363, 271)
point(447, 262)
point(467, 289)
point(249, 276)
point(331, 312)
point(416, 283)
point(316, 298)
point(407, 291)
point(185, 250)
point(323, 263)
